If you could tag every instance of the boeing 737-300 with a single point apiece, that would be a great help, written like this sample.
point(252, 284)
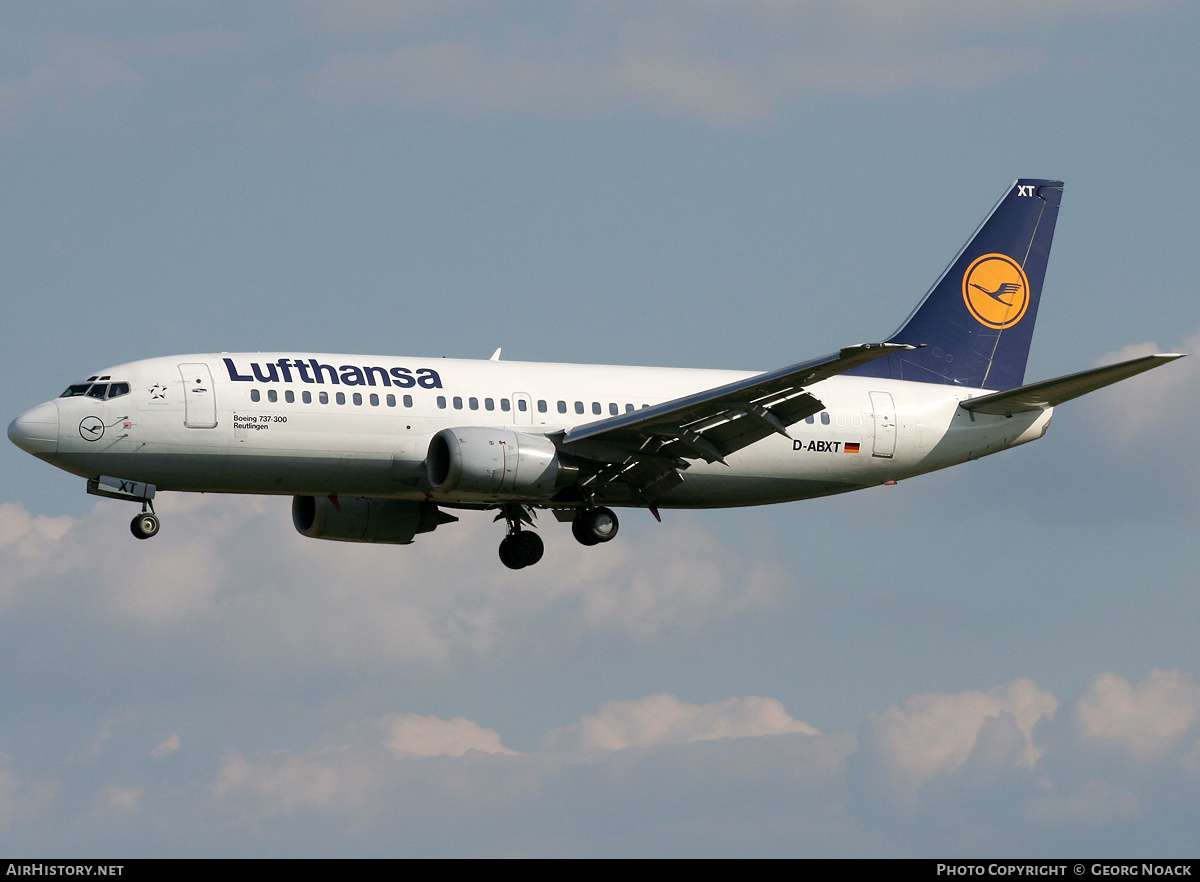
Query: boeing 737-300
point(380, 449)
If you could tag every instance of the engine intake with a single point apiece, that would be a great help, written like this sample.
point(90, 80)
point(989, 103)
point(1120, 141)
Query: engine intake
point(362, 519)
point(496, 463)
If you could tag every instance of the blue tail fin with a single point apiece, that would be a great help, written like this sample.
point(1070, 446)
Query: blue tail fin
point(976, 323)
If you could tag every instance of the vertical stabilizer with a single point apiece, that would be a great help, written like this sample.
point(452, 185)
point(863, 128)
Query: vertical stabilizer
point(975, 325)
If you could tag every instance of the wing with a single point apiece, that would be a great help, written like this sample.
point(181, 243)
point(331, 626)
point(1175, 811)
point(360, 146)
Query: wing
point(647, 449)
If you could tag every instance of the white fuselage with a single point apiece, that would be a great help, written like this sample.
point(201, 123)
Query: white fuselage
point(319, 424)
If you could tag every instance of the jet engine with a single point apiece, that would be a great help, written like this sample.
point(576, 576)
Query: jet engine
point(359, 519)
point(489, 462)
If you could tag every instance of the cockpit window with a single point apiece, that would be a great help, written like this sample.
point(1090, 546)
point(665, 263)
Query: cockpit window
point(99, 391)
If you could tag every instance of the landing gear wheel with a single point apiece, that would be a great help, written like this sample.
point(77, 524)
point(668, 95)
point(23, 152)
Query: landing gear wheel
point(145, 525)
point(594, 525)
point(521, 549)
point(506, 556)
point(527, 548)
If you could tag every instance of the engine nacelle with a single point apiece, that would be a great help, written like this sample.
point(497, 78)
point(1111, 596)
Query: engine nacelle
point(359, 519)
point(482, 461)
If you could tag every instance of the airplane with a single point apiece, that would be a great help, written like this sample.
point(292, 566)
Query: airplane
point(380, 449)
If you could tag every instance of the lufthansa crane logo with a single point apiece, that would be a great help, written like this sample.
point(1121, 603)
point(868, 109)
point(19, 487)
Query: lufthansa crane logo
point(91, 428)
point(996, 291)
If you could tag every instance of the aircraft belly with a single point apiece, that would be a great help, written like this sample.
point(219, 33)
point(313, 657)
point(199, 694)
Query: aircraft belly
point(717, 491)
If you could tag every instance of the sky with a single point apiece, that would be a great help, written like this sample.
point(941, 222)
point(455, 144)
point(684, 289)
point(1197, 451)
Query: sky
point(998, 659)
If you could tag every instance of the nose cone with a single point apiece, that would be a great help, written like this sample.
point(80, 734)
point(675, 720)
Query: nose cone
point(36, 431)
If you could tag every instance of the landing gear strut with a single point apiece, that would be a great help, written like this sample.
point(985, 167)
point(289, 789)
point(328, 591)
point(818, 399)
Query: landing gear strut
point(520, 548)
point(594, 525)
point(145, 525)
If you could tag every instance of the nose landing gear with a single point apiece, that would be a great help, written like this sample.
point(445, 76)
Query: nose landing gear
point(145, 525)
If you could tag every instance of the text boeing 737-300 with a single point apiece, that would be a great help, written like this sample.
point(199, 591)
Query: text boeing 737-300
point(374, 449)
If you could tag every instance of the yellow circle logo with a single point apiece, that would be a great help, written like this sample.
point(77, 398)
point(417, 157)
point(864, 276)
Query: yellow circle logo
point(996, 291)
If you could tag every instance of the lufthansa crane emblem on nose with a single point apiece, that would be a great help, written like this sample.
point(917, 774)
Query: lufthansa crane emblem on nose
point(91, 428)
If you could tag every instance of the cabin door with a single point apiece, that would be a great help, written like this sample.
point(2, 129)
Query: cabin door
point(199, 400)
point(885, 424)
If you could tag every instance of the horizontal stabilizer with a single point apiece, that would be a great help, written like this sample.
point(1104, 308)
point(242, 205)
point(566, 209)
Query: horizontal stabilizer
point(1049, 393)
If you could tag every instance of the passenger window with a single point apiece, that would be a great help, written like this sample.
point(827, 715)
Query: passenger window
point(442, 402)
point(596, 407)
point(340, 398)
point(98, 391)
point(504, 405)
point(522, 405)
point(473, 403)
point(579, 407)
point(324, 397)
point(562, 407)
point(824, 418)
point(391, 401)
point(374, 400)
point(810, 419)
point(458, 402)
point(408, 401)
point(629, 408)
point(612, 408)
point(306, 397)
point(358, 398)
point(272, 395)
point(541, 405)
point(254, 396)
point(489, 404)
point(289, 396)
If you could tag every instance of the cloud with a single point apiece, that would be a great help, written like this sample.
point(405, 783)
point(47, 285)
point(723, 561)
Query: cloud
point(964, 773)
point(429, 736)
point(231, 572)
point(67, 78)
point(934, 736)
point(21, 799)
point(721, 63)
point(664, 719)
point(1146, 720)
point(167, 746)
point(1147, 406)
point(972, 772)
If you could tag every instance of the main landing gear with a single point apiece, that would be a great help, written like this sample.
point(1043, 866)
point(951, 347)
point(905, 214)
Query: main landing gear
point(523, 548)
point(594, 525)
point(520, 548)
point(145, 525)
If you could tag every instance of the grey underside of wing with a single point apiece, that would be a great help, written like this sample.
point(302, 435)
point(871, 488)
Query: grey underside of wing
point(647, 449)
point(1049, 393)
